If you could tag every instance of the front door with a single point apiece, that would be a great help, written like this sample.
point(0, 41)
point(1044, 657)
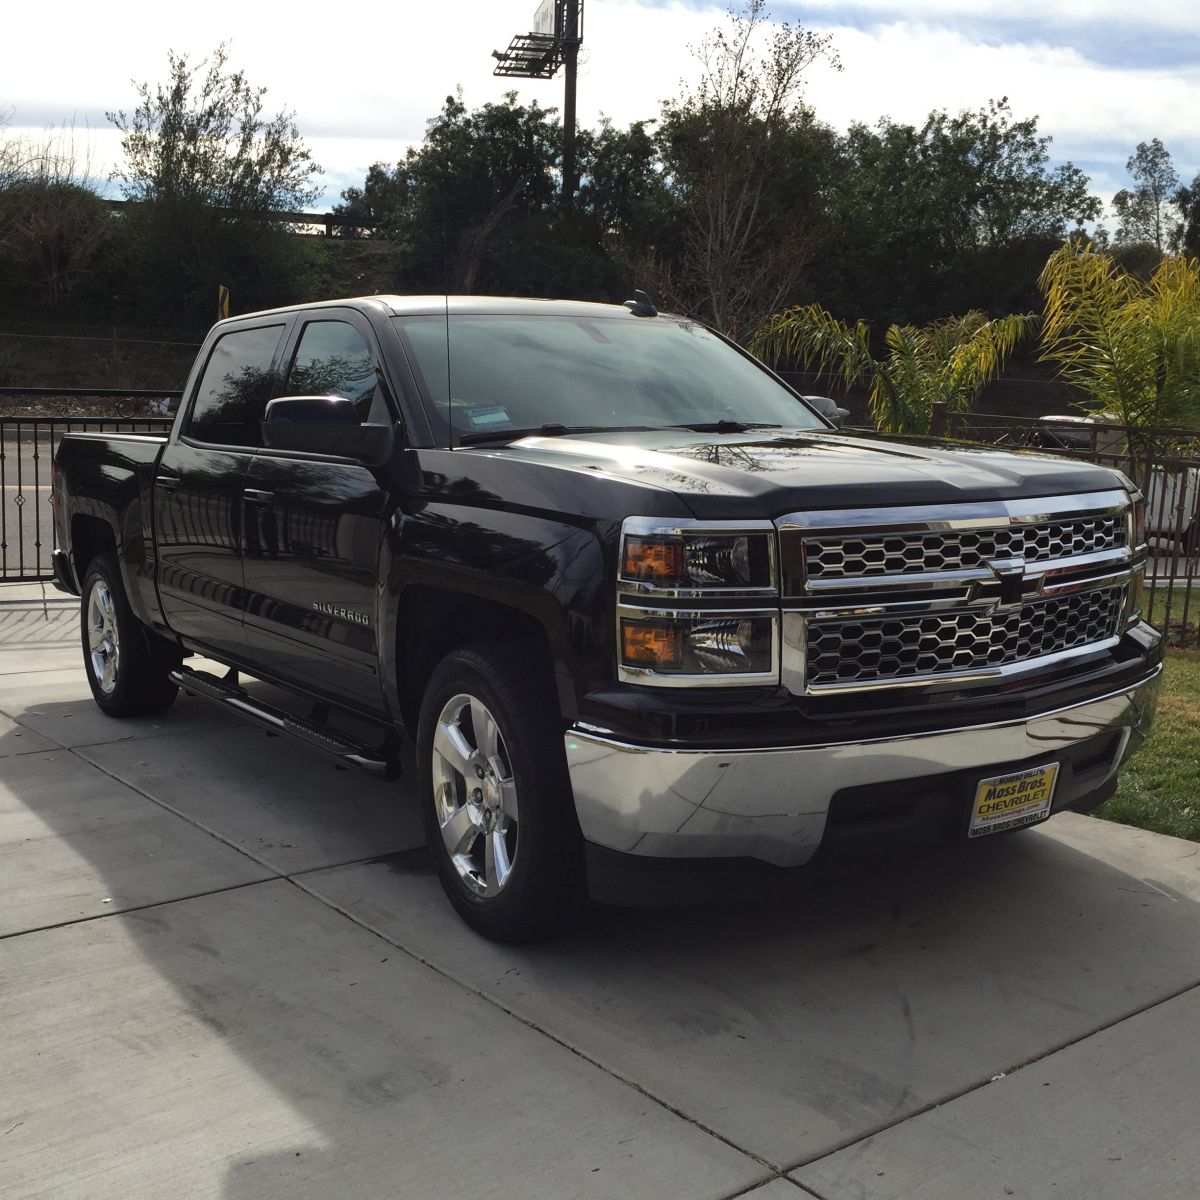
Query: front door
point(313, 529)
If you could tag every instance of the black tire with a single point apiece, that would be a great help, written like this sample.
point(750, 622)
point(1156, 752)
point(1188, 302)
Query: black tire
point(137, 684)
point(544, 890)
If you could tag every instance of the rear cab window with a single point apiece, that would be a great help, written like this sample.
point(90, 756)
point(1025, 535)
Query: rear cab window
point(233, 391)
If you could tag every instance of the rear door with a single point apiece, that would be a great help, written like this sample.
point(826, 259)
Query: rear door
point(314, 525)
point(198, 505)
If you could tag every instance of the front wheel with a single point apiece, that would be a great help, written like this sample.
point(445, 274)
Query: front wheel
point(126, 670)
point(495, 796)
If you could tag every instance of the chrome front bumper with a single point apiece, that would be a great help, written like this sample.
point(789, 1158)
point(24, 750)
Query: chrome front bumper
point(772, 804)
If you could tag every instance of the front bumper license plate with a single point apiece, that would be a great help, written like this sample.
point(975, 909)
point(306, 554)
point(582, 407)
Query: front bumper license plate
point(1011, 801)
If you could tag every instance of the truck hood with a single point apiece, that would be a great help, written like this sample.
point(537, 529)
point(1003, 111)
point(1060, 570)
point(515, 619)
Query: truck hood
point(770, 473)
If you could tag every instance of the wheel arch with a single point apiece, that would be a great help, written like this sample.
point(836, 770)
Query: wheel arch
point(432, 621)
point(90, 536)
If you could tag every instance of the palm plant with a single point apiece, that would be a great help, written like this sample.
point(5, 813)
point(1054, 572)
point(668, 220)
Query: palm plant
point(1132, 347)
point(947, 361)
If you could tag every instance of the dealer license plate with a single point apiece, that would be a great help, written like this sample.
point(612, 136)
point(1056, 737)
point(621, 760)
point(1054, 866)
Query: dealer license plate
point(1010, 801)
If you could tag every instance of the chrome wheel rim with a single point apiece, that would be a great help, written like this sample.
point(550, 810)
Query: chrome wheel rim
point(475, 795)
point(104, 644)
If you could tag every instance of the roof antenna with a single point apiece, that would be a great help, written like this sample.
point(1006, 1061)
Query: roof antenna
point(641, 305)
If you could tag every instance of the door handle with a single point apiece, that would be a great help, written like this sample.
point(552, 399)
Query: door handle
point(256, 496)
point(168, 483)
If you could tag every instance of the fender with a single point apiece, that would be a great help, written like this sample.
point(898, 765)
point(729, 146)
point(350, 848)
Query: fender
point(114, 487)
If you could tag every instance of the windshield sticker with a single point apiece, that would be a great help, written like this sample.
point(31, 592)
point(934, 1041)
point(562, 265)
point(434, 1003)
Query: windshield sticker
point(492, 416)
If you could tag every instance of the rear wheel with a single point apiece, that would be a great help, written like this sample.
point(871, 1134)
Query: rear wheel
point(127, 666)
point(495, 795)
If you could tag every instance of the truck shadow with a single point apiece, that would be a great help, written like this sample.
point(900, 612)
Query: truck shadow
point(859, 992)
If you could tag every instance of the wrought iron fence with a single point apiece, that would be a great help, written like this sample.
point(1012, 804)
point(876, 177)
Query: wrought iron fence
point(27, 446)
point(1164, 462)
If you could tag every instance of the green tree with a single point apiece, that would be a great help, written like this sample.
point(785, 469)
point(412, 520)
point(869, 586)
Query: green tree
point(53, 226)
point(945, 361)
point(739, 150)
point(1132, 347)
point(1144, 212)
point(476, 205)
point(958, 213)
point(205, 137)
point(377, 203)
point(1187, 200)
point(205, 170)
point(466, 201)
point(627, 195)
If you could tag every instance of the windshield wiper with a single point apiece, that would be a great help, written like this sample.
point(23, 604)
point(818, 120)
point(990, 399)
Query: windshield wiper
point(725, 426)
point(550, 429)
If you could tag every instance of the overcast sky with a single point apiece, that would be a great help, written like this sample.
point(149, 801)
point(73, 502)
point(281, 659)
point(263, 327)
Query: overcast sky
point(363, 82)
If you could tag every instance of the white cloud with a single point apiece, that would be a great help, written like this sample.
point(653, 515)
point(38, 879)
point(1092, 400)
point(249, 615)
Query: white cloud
point(364, 88)
point(906, 70)
point(1169, 14)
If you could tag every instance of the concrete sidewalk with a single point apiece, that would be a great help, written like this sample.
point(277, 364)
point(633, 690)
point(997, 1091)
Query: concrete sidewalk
point(226, 970)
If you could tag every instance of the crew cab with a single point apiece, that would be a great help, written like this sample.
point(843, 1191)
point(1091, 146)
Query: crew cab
point(642, 612)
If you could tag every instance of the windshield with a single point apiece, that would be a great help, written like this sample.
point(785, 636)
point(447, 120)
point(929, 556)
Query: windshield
point(517, 372)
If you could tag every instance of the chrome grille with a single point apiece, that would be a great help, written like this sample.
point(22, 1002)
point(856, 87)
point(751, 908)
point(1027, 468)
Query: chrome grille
point(883, 649)
point(869, 554)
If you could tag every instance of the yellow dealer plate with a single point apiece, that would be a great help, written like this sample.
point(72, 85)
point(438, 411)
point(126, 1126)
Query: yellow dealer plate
point(1010, 801)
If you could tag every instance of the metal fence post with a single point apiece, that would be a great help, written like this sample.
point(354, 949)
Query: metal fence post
point(940, 421)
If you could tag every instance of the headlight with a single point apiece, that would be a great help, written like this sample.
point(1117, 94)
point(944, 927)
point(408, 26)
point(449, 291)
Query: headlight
point(690, 603)
point(695, 562)
point(686, 645)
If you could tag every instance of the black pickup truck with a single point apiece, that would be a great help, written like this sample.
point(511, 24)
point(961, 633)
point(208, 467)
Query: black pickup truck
point(642, 611)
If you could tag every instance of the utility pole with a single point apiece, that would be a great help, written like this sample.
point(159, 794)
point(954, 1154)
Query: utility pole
point(553, 42)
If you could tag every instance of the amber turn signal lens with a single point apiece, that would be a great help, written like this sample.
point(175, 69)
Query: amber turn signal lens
point(644, 645)
point(1133, 607)
point(652, 558)
point(1139, 522)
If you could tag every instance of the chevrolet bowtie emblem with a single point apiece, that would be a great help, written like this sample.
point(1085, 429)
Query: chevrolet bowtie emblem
point(1011, 576)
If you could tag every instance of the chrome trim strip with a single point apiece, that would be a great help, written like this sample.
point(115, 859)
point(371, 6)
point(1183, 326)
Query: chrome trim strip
point(943, 518)
point(912, 581)
point(632, 590)
point(922, 580)
point(828, 608)
point(1066, 586)
point(913, 608)
point(663, 526)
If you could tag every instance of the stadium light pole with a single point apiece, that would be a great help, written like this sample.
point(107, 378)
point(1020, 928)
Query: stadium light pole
point(570, 53)
point(554, 41)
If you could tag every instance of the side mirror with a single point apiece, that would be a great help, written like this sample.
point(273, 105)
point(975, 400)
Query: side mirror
point(324, 425)
point(829, 409)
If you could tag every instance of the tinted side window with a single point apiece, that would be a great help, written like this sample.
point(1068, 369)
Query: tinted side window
point(235, 388)
point(333, 359)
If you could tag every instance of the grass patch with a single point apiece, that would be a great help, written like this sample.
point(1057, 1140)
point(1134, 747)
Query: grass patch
point(1180, 622)
point(1160, 785)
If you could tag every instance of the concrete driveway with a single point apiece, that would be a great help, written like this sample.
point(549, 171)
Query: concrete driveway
point(226, 970)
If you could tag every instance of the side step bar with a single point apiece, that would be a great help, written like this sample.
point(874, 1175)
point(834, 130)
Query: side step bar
point(317, 736)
